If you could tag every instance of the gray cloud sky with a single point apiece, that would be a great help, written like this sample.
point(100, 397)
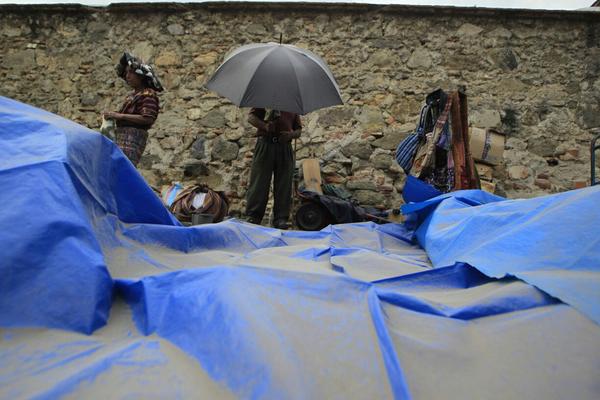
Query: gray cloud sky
point(532, 4)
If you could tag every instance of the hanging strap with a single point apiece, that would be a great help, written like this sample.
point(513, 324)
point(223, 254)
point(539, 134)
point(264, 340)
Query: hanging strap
point(426, 153)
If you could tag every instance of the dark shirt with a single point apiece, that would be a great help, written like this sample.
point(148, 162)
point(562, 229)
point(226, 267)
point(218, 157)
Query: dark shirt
point(286, 121)
point(143, 103)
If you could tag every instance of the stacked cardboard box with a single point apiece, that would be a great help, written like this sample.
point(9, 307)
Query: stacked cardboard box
point(487, 147)
point(485, 173)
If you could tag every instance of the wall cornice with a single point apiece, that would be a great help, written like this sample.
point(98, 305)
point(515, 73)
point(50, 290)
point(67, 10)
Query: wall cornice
point(342, 8)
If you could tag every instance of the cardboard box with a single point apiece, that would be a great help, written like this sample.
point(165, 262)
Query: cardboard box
point(489, 187)
point(487, 145)
point(311, 171)
point(484, 171)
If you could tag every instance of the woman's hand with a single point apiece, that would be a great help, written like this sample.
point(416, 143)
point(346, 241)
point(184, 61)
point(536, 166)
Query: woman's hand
point(112, 115)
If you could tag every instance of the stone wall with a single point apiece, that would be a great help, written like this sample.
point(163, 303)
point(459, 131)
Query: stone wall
point(533, 74)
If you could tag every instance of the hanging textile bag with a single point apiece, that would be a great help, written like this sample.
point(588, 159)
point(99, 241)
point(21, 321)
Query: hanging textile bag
point(406, 150)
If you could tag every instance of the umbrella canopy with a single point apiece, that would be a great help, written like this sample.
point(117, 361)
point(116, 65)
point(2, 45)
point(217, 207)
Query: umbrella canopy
point(276, 76)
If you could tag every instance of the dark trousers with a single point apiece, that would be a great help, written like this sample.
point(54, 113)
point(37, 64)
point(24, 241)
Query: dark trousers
point(270, 159)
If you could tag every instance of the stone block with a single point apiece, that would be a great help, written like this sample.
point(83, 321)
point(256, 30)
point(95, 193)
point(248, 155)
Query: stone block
point(206, 59)
point(589, 115)
point(567, 157)
point(386, 43)
point(542, 146)
point(148, 160)
point(214, 119)
point(194, 169)
point(170, 142)
point(469, 30)
point(501, 32)
point(512, 85)
point(419, 59)
point(333, 177)
point(382, 161)
point(89, 99)
point(143, 50)
point(22, 60)
point(65, 108)
point(383, 58)
point(194, 113)
point(543, 175)
point(518, 172)
point(167, 58)
point(224, 150)
point(368, 197)
point(573, 152)
point(47, 85)
point(360, 149)
point(197, 150)
point(361, 185)
point(15, 31)
point(371, 118)
point(175, 29)
point(333, 167)
point(455, 63)
point(214, 181)
point(543, 184)
point(505, 59)
point(236, 134)
point(256, 29)
point(390, 139)
point(98, 30)
point(485, 118)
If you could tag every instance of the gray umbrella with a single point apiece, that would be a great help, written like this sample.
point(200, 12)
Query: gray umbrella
point(276, 76)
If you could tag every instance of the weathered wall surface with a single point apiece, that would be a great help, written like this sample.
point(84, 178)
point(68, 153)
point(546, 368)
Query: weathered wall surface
point(535, 75)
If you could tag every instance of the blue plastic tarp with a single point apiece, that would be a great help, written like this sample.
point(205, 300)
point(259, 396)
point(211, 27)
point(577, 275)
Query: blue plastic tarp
point(104, 294)
point(552, 242)
point(61, 185)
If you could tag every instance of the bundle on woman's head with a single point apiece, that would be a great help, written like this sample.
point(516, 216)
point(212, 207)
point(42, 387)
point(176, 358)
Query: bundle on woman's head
point(138, 67)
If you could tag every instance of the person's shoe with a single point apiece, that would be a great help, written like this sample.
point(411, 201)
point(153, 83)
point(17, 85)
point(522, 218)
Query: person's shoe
point(281, 225)
point(254, 220)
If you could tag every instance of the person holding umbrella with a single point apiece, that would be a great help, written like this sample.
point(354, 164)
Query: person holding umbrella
point(273, 156)
point(281, 82)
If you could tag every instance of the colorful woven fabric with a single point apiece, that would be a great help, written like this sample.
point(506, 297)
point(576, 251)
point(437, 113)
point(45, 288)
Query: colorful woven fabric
point(438, 151)
point(406, 150)
point(131, 137)
point(144, 103)
point(132, 142)
point(425, 159)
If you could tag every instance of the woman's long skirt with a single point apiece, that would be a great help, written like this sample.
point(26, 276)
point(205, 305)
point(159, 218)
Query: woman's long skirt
point(132, 142)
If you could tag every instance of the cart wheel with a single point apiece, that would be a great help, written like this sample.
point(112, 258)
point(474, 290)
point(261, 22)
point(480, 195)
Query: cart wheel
point(312, 217)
